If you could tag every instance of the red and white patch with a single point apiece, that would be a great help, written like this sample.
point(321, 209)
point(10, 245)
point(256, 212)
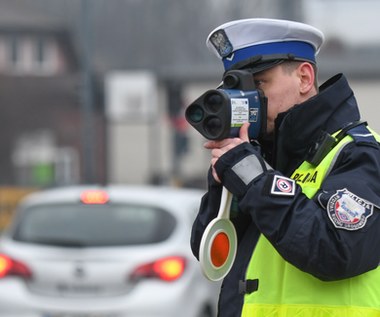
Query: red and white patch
point(283, 186)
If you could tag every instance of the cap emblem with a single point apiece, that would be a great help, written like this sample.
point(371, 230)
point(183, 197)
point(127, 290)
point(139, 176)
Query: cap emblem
point(221, 43)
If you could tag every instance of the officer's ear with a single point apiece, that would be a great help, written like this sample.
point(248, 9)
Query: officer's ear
point(306, 75)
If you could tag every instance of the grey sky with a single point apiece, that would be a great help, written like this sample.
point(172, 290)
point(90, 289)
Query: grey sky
point(354, 21)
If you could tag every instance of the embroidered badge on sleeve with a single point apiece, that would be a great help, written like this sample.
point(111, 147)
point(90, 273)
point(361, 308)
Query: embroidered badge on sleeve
point(348, 211)
point(282, 186)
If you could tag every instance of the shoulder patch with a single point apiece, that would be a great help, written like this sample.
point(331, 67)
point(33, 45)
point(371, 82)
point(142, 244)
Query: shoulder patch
point(348, 211)
point(283, 186)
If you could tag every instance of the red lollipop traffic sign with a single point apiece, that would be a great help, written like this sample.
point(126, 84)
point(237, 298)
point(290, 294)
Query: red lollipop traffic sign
point(218, 246)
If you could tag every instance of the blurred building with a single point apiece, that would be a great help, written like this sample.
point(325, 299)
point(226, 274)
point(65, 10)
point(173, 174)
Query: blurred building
point(40, 97)
point(149, 61)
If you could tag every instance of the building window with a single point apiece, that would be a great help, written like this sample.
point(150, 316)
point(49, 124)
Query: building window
point(39, 161)
point(36, 55)
point(14, 51)
point(40, 54)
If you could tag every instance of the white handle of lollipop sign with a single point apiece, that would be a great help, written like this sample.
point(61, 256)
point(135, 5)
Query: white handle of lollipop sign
point(218, 245)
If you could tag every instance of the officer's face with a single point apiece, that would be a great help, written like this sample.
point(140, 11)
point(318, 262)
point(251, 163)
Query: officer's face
point(285, 86)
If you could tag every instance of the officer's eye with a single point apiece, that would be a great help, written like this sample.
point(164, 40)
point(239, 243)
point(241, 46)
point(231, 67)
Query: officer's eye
point(258, 82)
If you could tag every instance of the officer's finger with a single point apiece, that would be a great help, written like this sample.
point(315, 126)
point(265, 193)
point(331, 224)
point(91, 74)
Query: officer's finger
point(217, 144)
point(215, 175)
point(243, 133)
point(209, 144)
point(216, 153)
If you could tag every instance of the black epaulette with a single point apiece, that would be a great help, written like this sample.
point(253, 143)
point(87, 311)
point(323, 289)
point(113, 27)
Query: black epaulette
point(362, 135)
point(322, 146)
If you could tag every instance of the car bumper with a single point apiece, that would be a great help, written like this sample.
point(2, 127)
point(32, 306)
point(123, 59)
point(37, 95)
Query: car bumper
point(147, 300)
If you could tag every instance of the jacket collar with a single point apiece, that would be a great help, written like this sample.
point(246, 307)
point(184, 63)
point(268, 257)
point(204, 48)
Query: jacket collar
point(331, 109)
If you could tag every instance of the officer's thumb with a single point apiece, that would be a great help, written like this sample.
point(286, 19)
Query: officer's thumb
point(243, 133)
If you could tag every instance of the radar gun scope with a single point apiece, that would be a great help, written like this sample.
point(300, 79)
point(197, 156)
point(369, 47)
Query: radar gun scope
point(219, 113)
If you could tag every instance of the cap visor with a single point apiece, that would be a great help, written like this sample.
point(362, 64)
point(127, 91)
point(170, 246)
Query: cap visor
point(260, 67)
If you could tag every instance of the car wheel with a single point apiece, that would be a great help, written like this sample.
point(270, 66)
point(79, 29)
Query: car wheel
point(206, 312)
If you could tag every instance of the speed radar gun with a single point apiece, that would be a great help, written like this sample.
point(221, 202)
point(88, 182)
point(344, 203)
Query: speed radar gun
point(219, 114)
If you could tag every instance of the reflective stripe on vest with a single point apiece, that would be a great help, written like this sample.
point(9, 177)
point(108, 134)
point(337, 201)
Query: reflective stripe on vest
point(286, 291)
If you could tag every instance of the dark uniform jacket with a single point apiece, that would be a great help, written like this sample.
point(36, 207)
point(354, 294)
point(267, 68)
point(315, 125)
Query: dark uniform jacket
point(300, 228)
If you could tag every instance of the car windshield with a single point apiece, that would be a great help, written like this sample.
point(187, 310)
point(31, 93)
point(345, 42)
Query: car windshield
point(76, 225)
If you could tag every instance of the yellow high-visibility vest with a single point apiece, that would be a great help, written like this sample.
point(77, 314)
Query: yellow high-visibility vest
point(286, 291)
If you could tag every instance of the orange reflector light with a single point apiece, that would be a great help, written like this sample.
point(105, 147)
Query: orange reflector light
point(5, 265)
point(9, 266)
point(169, 269)
point(94, 196)
point(220, 249)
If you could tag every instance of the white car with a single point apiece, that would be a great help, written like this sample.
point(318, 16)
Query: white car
point(116, 251)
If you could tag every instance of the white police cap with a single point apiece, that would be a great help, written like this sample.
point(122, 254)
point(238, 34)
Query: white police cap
point(259, 44)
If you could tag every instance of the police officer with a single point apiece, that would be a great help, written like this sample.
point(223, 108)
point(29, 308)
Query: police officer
point(306, 195)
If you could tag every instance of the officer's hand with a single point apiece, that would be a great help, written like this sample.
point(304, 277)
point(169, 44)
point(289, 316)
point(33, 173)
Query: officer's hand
point(218, 148)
